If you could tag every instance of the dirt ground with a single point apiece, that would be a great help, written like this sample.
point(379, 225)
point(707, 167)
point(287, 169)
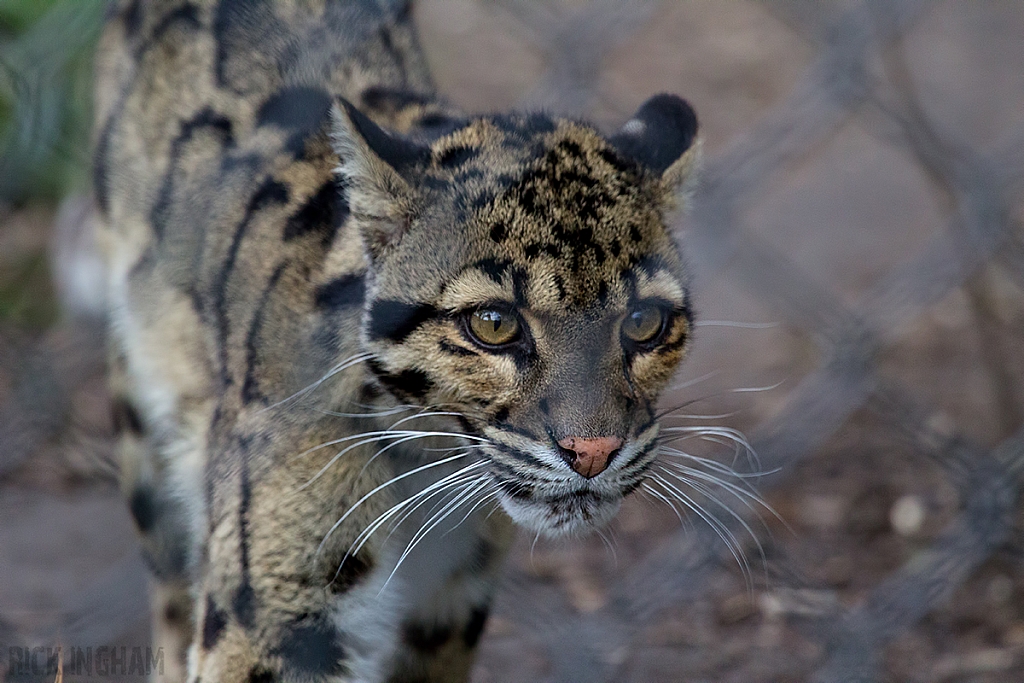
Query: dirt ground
point(863, 505)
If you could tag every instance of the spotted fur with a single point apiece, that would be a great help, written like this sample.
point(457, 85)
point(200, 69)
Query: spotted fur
point(322, 459)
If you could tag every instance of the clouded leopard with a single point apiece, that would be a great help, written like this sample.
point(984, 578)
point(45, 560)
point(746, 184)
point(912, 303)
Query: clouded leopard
point(359, 335)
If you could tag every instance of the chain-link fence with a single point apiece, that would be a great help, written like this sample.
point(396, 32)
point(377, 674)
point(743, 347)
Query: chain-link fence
point(866, 212)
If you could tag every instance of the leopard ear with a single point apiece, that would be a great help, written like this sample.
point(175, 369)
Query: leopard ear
point(377, 169)
point(662, 137)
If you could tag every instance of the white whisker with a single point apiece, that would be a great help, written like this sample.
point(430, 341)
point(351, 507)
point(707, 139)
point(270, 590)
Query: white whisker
point(388, 483)
point(719, 527)
point(691, 382)
point(462, 497)
point(355, 359)
point(695, 479)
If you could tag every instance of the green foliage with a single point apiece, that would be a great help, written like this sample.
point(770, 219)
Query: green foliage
point(45, 82)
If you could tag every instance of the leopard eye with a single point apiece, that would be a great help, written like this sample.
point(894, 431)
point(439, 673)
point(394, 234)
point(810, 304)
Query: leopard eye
point(644, 323)
point(493, 327)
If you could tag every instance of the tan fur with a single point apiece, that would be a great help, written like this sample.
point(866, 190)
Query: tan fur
point(290, 288)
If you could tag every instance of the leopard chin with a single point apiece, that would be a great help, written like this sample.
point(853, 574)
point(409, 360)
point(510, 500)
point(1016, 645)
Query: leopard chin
point(571, 514)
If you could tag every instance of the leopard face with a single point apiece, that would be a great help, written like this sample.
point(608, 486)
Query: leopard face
point(523, 280)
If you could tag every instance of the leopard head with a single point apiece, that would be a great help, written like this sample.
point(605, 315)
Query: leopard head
point(522, 276)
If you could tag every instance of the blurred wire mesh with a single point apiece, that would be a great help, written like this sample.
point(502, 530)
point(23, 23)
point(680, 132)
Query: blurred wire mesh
point(861, 207)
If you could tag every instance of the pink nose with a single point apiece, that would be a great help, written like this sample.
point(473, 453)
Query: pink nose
point(589, 457)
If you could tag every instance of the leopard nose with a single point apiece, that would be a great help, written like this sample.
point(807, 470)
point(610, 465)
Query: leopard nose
point(590, 457)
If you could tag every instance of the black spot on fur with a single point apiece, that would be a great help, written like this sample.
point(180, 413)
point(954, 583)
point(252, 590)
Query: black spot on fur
point(174, 613)
point(427, 639)
point(667, 128)
point(300, 110)
point(501, 415)
point(312, 647)
point(142, 505)
point(259, 674)
point(634, 234)
point(475, 627)
point(499, 231)
point(214, 623)
point(322, 214)
point(493, 268)
point(457, 156)
point(620, 164)
point(354, 569)
point(126, 419)
point(347, 290)
point(535, 249)
point(544, 406)
point(395, 320)
point(521, 128)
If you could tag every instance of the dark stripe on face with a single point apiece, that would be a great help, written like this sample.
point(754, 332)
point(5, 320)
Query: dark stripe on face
point(322, 215)
point(640, 455)
point(347, 290)
point(518, 456)
point(455, 350)
point(395, 320)
point(405, 384)
point(515, 488)
point(632, 486)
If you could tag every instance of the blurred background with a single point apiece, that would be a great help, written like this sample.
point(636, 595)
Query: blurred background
point(858, 258)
